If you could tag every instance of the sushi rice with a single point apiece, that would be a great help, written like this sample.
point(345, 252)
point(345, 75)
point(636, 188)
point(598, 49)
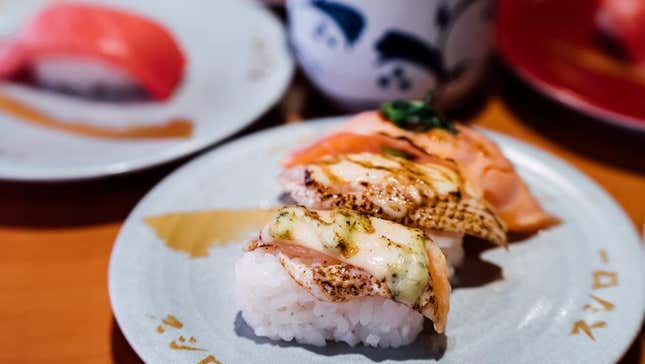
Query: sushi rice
point(275, 306)
point(85, 77)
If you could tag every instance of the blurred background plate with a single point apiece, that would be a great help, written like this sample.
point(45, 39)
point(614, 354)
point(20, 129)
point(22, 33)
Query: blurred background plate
point(570, 294)
point(238, 67)
point(555, 46)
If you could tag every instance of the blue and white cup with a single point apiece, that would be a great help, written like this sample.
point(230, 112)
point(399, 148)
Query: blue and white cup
point(360, 53)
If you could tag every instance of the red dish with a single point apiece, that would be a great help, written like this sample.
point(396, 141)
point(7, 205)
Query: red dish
point(555, 46)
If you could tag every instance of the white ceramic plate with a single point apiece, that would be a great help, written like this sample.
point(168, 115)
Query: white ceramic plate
point(238, 66)
point(584, 274)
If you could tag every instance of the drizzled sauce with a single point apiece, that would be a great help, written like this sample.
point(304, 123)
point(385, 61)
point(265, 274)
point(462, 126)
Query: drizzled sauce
point(406, 173)
point(174, 128)
point(196, 231)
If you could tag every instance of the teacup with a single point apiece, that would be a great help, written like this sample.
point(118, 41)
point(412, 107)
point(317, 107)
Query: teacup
point(360, 53)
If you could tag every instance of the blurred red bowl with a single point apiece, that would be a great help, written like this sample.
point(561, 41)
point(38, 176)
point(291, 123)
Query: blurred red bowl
point(558, 47)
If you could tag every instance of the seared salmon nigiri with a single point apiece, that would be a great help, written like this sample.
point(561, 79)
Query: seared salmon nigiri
point(422, 136)
point(340, 255)
point(430, 195)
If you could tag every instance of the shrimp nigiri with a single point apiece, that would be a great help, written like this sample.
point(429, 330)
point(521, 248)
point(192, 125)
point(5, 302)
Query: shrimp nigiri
point(478, 159)
point(95, 51)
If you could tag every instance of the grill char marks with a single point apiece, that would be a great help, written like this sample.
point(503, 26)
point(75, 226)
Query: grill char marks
point(428, 196)
point(334, 282)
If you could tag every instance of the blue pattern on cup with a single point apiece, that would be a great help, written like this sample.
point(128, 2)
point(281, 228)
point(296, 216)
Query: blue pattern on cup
point(349, 20)
point(360, 53)
point(396, 78)
point(396, 45)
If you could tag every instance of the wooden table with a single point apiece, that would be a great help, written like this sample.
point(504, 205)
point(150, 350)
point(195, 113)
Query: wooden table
point(55, 240)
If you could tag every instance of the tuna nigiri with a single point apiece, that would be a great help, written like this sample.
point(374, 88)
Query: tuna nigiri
point(478, 159)
point(95, 51)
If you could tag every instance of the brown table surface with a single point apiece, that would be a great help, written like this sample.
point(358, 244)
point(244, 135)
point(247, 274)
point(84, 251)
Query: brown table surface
point(55, 239)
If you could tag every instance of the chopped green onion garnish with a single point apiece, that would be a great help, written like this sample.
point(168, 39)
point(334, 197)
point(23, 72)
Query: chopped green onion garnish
point(396, 153)
point(416, 115)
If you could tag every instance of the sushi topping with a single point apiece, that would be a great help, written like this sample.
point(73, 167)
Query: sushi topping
point(430, 196)
point(408, 276)
point(337, 236)
point(388, 251)
point(477, 158)
point(417, 116)
point(348, 142)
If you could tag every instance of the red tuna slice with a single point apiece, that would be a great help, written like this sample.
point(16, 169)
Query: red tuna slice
point(142, 48)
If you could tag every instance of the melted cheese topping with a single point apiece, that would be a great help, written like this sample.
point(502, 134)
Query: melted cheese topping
point(389, 251)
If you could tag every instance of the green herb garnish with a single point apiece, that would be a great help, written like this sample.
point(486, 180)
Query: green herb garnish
point(416, 115)
point(396, 153)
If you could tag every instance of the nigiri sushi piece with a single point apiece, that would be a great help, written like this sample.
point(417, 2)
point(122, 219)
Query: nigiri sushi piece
point(430, 196)
point(339, 275)
point(478, 159)
point(95, 51)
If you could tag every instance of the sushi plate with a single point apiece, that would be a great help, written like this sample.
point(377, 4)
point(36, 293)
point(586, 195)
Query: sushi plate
point(238, 66)
point(570, 294)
